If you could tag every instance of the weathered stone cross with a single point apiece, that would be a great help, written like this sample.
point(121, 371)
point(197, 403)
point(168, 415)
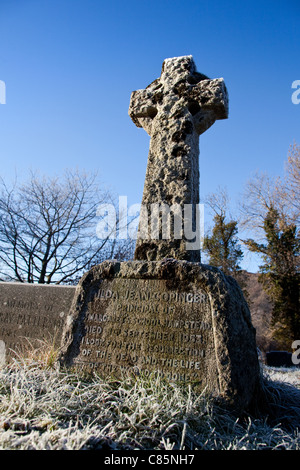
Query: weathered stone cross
point(174, 110)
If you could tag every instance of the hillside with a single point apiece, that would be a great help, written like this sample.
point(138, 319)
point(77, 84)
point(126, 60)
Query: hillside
point(261, 311)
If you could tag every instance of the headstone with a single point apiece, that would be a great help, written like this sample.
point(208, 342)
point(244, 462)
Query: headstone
point(165, 313)
point(30, 313)
point(185, 321)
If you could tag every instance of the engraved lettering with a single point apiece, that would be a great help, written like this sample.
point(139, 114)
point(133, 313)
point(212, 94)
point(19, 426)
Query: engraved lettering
point(146, 326)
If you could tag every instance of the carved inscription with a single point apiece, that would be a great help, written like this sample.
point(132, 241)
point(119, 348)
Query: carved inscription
point(29, 313)
point(21, 319)
point(147, 326)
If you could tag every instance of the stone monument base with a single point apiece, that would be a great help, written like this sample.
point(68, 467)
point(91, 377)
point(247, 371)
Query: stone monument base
point(186, 321)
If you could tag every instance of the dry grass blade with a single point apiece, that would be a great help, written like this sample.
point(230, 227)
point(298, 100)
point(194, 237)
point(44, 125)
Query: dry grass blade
point(47, 408)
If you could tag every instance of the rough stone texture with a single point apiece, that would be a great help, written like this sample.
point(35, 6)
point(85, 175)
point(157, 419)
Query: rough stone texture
point(29, 313)
point(184, 320)
point(174, 110)
point(165, 313)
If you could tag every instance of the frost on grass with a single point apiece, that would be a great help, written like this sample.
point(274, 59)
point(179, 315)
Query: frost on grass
point(47, 408)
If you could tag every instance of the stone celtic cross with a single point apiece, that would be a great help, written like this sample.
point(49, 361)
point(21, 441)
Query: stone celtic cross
point(183, 321)
point(174, 110)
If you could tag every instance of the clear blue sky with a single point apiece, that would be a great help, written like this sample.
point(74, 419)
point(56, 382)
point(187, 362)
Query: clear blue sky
point(70, 65)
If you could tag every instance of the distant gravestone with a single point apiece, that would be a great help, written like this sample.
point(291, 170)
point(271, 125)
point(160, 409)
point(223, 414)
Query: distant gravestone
point(279, 359)
point(165, 313)
point(30, 313)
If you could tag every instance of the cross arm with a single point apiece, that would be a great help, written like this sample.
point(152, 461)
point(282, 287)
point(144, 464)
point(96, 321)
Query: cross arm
point(208, 102)
point(142, 109)
point(212, 94)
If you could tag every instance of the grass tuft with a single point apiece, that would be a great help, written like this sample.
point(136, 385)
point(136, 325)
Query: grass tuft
point(44, 407)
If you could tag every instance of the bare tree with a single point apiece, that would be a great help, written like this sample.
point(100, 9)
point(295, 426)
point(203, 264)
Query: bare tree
point(48, 228)
point(264, 193)
point(290, 188)
point(271, 211)
point(260, 195)
point(218, 202)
